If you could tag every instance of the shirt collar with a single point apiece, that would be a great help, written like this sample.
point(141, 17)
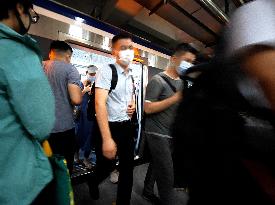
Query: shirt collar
point(121, 70)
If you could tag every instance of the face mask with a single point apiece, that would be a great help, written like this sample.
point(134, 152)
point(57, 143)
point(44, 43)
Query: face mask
point(91, 79)
point(126, 56)
point(23, 30)
point(184, 65)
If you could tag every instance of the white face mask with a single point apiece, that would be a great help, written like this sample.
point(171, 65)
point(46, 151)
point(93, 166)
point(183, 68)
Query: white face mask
point(184, 65)
point(126, 56)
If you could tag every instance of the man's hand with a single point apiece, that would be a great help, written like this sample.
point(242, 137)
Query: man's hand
point(131, 109)
point(87, 89)
point(109, 148)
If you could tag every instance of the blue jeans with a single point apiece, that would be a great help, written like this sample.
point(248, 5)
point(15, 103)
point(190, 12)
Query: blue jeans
point(87, 147)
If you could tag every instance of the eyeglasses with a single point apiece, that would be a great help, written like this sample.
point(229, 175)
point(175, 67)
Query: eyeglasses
point(34, 16)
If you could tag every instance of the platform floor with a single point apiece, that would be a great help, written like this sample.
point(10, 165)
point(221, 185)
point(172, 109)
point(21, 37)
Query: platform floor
point(108, 191)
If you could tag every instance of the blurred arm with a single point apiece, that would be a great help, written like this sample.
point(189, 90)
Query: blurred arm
point(260, 64)
point(101, 96)
point(32, 99)
point(74, 86)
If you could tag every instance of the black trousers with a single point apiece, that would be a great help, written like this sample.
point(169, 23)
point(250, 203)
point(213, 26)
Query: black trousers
point(123, 134)
point(64, 144)
point(160, 169)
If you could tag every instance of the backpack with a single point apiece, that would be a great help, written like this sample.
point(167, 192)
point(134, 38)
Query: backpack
point(91, 114)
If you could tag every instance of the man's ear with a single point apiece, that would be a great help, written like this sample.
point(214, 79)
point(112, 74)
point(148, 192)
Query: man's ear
point(20, 9)
point(173, 59)
point(50, 55)
point(113, 51)
point(68, 58)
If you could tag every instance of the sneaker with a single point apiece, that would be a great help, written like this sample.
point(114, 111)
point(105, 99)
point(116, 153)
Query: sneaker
point(152, 198)
point(87, 163)
point(114, 176)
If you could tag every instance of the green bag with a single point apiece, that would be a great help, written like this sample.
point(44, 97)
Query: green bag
point(63, 192)
point(61, 184)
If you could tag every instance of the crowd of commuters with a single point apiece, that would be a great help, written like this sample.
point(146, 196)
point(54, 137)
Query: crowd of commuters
point(209, 128)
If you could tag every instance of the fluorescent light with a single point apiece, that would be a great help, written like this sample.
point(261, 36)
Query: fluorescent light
point(76, 31)
point(79, 20)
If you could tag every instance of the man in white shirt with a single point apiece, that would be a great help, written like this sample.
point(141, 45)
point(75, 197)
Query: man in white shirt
point(115, 106)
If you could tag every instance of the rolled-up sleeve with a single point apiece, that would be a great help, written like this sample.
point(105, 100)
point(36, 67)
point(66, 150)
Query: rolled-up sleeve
point(31, 98)
point(104, 78)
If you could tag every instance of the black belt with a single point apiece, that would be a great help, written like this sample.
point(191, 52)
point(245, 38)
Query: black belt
point(120, 123)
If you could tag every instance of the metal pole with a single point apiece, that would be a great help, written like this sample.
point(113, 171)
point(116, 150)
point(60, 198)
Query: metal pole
point(213, 9)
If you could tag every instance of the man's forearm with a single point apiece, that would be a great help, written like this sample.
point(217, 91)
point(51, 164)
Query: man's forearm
point(156, 107)
point(102, 120)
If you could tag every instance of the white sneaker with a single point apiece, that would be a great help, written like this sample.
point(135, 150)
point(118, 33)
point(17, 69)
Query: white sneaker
point(87, 163)
point(114, 176)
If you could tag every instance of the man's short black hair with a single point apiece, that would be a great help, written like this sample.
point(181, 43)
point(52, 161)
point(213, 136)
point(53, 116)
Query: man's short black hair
point(60, 46)
point(120, 36)
point(184, 47)
point(8, 5)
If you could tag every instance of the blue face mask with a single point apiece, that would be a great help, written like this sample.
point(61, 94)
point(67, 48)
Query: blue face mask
point(91, 79)
point(184, 65)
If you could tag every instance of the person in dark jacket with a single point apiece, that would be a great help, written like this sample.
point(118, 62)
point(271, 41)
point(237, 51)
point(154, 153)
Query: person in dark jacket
point(224, 133)
point(85, 122)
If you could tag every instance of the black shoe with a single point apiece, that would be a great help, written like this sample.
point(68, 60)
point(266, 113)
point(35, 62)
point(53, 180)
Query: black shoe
point(94, 191)
point(152, 198)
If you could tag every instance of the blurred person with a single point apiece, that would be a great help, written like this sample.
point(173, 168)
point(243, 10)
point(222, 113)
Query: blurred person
point(85, 123)
point(224, 134)
point(163, 95)
point(27, 112)
point(91, 74)
point(65, 83)
point(115, 106)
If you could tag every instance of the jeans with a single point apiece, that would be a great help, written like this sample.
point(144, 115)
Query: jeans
point(89, 141)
